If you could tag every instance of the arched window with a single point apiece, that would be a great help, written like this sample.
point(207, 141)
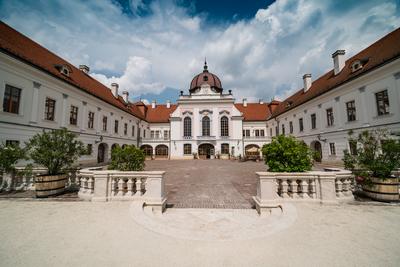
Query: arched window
point(224, 126)
point(187, 127)
point(205, 123)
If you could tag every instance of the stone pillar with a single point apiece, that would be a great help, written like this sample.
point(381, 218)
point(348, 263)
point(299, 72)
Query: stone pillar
point(155, 191)
point(101, 186)
point(267, 196)
point(326, 190)
point(64, 113)
point(35, 102)
point(84, 117)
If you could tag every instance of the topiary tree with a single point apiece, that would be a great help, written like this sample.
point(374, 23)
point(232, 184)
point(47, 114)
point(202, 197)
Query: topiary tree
point(128, 158)
point(56, 150)
point(287, 154)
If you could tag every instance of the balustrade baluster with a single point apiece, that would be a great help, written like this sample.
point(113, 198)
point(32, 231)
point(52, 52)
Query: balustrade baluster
point(294, 188)
point(279, 187)
point(285, 187)
point(304, 188)
point(113, 186)
point(312, 188)
point(130, 187)
point(138, 187)
point(120, 187)
point(338, 187)
point(346, 187)
point(90, 185)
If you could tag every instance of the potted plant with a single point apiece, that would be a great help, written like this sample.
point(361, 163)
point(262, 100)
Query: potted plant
point(287, 154)
point(127, 158)
point(9, 157)
point(56, 150)
point(372, 161)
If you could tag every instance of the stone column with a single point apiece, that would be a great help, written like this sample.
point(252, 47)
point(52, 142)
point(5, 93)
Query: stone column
point(100, 186)
point(35, 102)
point(64, 113)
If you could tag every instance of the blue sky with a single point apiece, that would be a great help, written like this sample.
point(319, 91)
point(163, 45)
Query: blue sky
point(259, 49)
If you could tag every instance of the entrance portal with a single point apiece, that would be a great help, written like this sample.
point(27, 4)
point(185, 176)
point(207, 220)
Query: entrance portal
point(101, 152)
point(316, 146)
point(206, 151)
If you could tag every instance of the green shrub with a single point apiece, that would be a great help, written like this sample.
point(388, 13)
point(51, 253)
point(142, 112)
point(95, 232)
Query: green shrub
point(377, 154)
point(56, 150)
point(9, 157)
point(287, 154)
point(128, 158)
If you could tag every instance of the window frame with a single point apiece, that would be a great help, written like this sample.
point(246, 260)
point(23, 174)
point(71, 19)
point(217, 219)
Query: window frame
point(125, 128)
point(187, 127)
point(382, 97)
point(351, 110)
point(330, 119)
point(104, 123)
point(185, 146)
point(73, 115)
point(116, 126)
point(332, 149)
point(8, 104)
point(224, 126)
point(90, 120)
point(49, 110)
point(313, 121)
point(291, 127)
point(206, 126)
point(301, 125)
point(225, 149)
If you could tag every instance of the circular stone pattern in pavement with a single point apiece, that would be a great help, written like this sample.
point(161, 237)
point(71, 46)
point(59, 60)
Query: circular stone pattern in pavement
point(213, 224)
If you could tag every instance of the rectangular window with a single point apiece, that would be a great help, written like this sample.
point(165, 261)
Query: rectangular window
point(73, 117)
point(105, 123)
point(301, 125)
point(144, 133)
point(90, 120)
point(382, 102)
point(262, 133)
point(332, 148)
point(313, 121)
point(187, 149)
point(247, 132)
point(166, 135)
point(125, 129)
point(353, 147)
point(152, 134)
point(116, 122)
point(351, 110)
point(224, 149)
point(49, 109)
point(283, 129)
point(157, 134)
point(133, 130)
point(12, 98)
point(270, 131)
point(12, 143)
point(276, 130)
point(257, 132)
point(329, 116)
point(291, 127)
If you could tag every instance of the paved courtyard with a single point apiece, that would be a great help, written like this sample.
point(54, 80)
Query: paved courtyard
point(209, 183)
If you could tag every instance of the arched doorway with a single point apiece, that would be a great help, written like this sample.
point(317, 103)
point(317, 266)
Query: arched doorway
point(316, 146)
point(252, 152)
point(113, 146)
point(161, 151)
point(206, 151)
point(148, 150)
point(102, 153)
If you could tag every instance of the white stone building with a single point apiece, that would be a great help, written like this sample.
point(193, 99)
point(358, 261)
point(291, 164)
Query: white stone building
point(39, 90)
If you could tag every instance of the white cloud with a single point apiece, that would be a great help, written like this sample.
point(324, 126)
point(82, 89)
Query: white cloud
point(260, 58)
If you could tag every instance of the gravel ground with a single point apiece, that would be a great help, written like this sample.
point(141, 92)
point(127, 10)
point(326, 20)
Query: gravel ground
point(47, 233)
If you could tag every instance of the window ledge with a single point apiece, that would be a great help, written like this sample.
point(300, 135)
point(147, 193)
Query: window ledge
point(11, 114)
point(351, 122)
point(383, 116)
point(49, 121)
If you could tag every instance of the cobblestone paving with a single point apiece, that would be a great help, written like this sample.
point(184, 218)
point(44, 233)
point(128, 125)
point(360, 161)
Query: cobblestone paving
point(209, 183)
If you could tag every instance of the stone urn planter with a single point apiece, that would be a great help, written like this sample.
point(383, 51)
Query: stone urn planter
point(382, 189)
point(50, 185)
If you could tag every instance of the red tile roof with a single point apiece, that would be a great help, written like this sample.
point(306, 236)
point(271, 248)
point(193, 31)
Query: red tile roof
point(379, 53)
point(160, 113)
point(19, 46)
point(254, 111)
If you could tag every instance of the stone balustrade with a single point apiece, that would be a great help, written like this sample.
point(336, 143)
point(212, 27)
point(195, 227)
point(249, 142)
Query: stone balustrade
point(97, 184)
point(275, 188)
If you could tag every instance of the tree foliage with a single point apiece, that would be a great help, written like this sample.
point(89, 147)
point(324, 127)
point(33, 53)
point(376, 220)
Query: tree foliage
point(287, 154)
point(127, 158)
point(377, 154)
point(9, 157)
point(56, 150)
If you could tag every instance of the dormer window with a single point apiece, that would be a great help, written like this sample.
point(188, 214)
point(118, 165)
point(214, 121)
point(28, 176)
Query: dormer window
point(64, 69)
point(356, 66)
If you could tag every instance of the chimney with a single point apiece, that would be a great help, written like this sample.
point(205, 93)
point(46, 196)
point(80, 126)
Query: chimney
point(260, 101)
point(168, 103)
point(338, 61)
point(244, 102)
point(125, 96)
point(306, 81)
point(114, 89)
point(153, 104)
point(84, 69)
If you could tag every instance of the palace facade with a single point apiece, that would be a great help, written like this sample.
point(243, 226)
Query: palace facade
point(39, 91)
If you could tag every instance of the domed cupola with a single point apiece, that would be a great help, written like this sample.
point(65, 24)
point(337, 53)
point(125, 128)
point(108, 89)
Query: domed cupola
point(206, 77)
